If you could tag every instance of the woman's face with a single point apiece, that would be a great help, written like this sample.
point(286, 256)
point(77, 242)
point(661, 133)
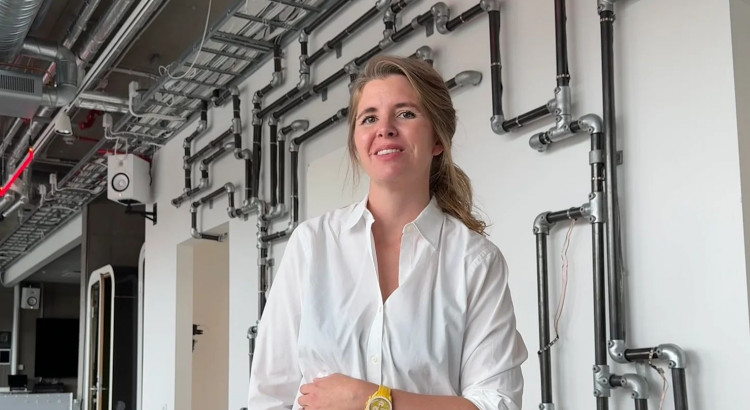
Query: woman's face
point(394, 138)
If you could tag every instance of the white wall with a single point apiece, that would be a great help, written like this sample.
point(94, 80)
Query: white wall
point(681, 192)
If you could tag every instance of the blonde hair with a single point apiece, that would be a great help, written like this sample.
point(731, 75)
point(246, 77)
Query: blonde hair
point(448, 183)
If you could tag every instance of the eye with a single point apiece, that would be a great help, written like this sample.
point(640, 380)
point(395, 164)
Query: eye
point(367, 119)
point(407, 115)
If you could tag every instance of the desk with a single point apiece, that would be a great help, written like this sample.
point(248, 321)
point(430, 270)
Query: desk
point(38, 401)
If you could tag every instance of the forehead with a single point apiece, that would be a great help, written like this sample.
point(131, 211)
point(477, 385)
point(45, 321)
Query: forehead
point(394, 88)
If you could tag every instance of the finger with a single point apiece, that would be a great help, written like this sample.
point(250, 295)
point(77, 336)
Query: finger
point(303, 401)
point(306, 388)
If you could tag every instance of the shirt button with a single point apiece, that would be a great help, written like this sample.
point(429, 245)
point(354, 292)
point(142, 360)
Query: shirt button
point(374, 359)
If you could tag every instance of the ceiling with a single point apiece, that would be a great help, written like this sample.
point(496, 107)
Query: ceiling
point(165, 38)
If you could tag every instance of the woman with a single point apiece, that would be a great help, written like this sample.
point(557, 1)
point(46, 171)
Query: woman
point(398, 301)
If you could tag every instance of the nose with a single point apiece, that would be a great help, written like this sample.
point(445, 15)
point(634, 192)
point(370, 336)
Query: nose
point(386, 128)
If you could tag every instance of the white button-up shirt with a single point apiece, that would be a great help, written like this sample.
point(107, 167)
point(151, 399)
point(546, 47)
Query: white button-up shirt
point(448, 329)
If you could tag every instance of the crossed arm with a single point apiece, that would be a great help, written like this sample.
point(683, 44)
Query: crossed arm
point(339, 392)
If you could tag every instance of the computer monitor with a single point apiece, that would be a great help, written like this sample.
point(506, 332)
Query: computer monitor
point(17, 382)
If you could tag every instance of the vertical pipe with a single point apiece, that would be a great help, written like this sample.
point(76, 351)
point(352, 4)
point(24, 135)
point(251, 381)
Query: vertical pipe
point(236, 124)
point(616, 322)
point(273, 130)
point(561, 40)
point(282, 171)
point(495, 64)
point(15, 330)
point(543, 298)
point(641, 404)
point(248, 178)
point(262, 279)
point(598, 256)
point(256, 160)
point(679, 387)
point(293, 162)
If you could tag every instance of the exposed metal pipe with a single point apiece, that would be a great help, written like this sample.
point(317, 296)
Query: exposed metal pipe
point(16, 18)
point(68, 43)
point(16, 329)
point(142, 13)
point(227, 188)
point(104, 28)
point(108, 23)
point(67, 71)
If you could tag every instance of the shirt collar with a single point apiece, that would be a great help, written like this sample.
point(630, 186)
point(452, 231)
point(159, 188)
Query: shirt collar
point(429, 223)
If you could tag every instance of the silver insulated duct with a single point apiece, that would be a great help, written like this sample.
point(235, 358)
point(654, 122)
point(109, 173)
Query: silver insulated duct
point(22, 94)
point(16, 17)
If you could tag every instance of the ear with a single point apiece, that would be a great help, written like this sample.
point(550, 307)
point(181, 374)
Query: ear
point(437, 149)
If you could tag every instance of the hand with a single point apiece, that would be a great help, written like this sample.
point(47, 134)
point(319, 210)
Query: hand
point(336, 392)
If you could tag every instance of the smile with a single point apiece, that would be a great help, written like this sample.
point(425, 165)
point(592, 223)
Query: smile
point(388, 151)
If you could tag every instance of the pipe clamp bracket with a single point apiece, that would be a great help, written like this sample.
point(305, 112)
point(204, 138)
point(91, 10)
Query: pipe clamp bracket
point(601, 381)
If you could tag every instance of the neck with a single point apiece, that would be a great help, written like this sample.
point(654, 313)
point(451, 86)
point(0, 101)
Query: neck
point(394, 208)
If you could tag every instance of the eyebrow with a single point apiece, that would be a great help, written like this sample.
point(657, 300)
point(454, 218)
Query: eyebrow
point(370, 110)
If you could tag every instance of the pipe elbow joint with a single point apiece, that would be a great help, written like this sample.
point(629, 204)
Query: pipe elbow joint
point(490, 5)
point(469, 77)
point(381, 4)
point(277, 78)
point(425, 53)
point(673, 354)
point(542, 224)
point(233, 90)
point(442, 14)
point(195, 234)
point(496, 123)
point(304, 81)
point(540, 142)
point(637, 384)
point(606, 5)
point(592, 123)
point(616, 350)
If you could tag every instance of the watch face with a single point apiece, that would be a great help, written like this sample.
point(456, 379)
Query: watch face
point(379, 403)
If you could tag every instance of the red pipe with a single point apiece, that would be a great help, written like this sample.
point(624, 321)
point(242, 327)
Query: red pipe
point(20, 169)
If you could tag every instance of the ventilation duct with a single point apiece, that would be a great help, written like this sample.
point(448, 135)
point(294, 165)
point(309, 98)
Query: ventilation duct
point(16, 17)
point(21, 94)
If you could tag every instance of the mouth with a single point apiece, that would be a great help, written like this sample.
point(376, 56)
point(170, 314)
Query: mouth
point(388, 151)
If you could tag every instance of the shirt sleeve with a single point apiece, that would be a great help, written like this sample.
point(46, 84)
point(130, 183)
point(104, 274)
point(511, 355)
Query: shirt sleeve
point(275, 375)
point(492, 348)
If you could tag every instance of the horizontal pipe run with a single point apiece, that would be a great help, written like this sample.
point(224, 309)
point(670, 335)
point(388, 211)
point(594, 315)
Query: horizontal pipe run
point(324, 16)
point(242, 41)
point(281, 100)
point(274, 236)
point(214, 143)
point(341, 73)
point(368, 55)
point(402, 33)
point(526, 118)
point(217, 154)
point(565, 215)
point(464, 17)
point(213, 195)
point(342, 113)
point(339, 38)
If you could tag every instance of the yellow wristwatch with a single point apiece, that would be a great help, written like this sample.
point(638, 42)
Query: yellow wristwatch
point(381, 400)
